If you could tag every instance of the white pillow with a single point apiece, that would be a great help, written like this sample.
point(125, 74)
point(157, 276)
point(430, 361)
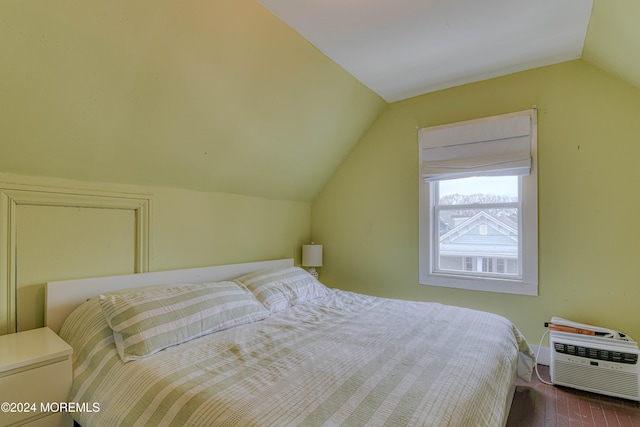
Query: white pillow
point(279, 288)
point(149, 320)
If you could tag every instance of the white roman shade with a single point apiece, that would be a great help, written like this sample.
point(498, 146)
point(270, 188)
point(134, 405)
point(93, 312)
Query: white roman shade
point(493, 146)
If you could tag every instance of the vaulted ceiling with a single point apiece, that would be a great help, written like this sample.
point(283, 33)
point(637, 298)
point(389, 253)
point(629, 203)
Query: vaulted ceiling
point(210, 95)
point(219, 95)
point(405, 48)
point(613, 39)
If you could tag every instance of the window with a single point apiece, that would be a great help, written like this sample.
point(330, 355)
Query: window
point(478, 205)
point(468, 263)
point(474, 222)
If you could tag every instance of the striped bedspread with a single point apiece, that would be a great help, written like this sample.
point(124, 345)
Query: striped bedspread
point(341, 360)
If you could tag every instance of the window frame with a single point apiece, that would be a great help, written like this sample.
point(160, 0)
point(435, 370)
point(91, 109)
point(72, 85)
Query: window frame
point(527, 283)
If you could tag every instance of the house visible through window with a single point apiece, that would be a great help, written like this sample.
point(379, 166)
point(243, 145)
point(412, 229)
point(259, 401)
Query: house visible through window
point(478, 204)
point(478, 220)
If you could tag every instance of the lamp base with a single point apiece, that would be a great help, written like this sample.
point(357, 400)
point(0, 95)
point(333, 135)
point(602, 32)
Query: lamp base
point(312, 271)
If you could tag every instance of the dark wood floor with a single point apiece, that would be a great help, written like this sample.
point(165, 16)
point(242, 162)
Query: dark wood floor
point(541, 405)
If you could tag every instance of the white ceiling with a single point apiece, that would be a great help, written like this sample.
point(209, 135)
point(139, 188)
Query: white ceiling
point(404, 48)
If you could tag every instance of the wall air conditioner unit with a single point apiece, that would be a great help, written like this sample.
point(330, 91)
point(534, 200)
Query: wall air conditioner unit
point(595, 363)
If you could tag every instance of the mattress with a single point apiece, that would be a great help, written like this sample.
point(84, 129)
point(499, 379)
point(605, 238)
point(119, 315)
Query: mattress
point(344, 359)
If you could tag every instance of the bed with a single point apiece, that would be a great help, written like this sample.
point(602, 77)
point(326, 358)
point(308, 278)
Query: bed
point(266, 344)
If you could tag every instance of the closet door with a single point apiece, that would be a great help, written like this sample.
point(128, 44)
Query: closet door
point(55, 242)
point(67, 236)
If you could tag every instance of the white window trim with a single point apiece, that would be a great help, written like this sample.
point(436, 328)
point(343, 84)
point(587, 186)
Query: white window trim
point(528, 283)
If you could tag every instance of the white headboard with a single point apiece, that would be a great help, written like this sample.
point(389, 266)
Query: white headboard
point(62, 297)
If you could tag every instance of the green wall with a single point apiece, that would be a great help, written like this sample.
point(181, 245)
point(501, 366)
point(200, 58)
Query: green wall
point(191, 228)
point(588, 144)
point(194, 228)
point(186, 229)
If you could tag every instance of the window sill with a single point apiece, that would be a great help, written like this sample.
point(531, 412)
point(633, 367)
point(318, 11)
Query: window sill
point(516, 287)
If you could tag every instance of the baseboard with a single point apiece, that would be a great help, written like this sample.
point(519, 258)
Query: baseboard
point(542, 354)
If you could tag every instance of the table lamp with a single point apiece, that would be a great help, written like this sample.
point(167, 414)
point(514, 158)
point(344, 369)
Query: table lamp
point(312, 258)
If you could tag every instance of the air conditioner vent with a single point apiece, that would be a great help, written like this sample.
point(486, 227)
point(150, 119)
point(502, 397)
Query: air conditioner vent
point(604, 381)
point(595, 353)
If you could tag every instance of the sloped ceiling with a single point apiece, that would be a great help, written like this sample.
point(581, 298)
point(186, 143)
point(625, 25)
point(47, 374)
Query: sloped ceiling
point(211, 95)
point(406, 48)
point(613, 38)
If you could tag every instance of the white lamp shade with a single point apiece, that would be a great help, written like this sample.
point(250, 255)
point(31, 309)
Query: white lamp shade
point(312, 255)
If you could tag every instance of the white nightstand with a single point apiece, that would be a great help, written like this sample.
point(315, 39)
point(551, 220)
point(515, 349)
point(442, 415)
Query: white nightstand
point(35, 372)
